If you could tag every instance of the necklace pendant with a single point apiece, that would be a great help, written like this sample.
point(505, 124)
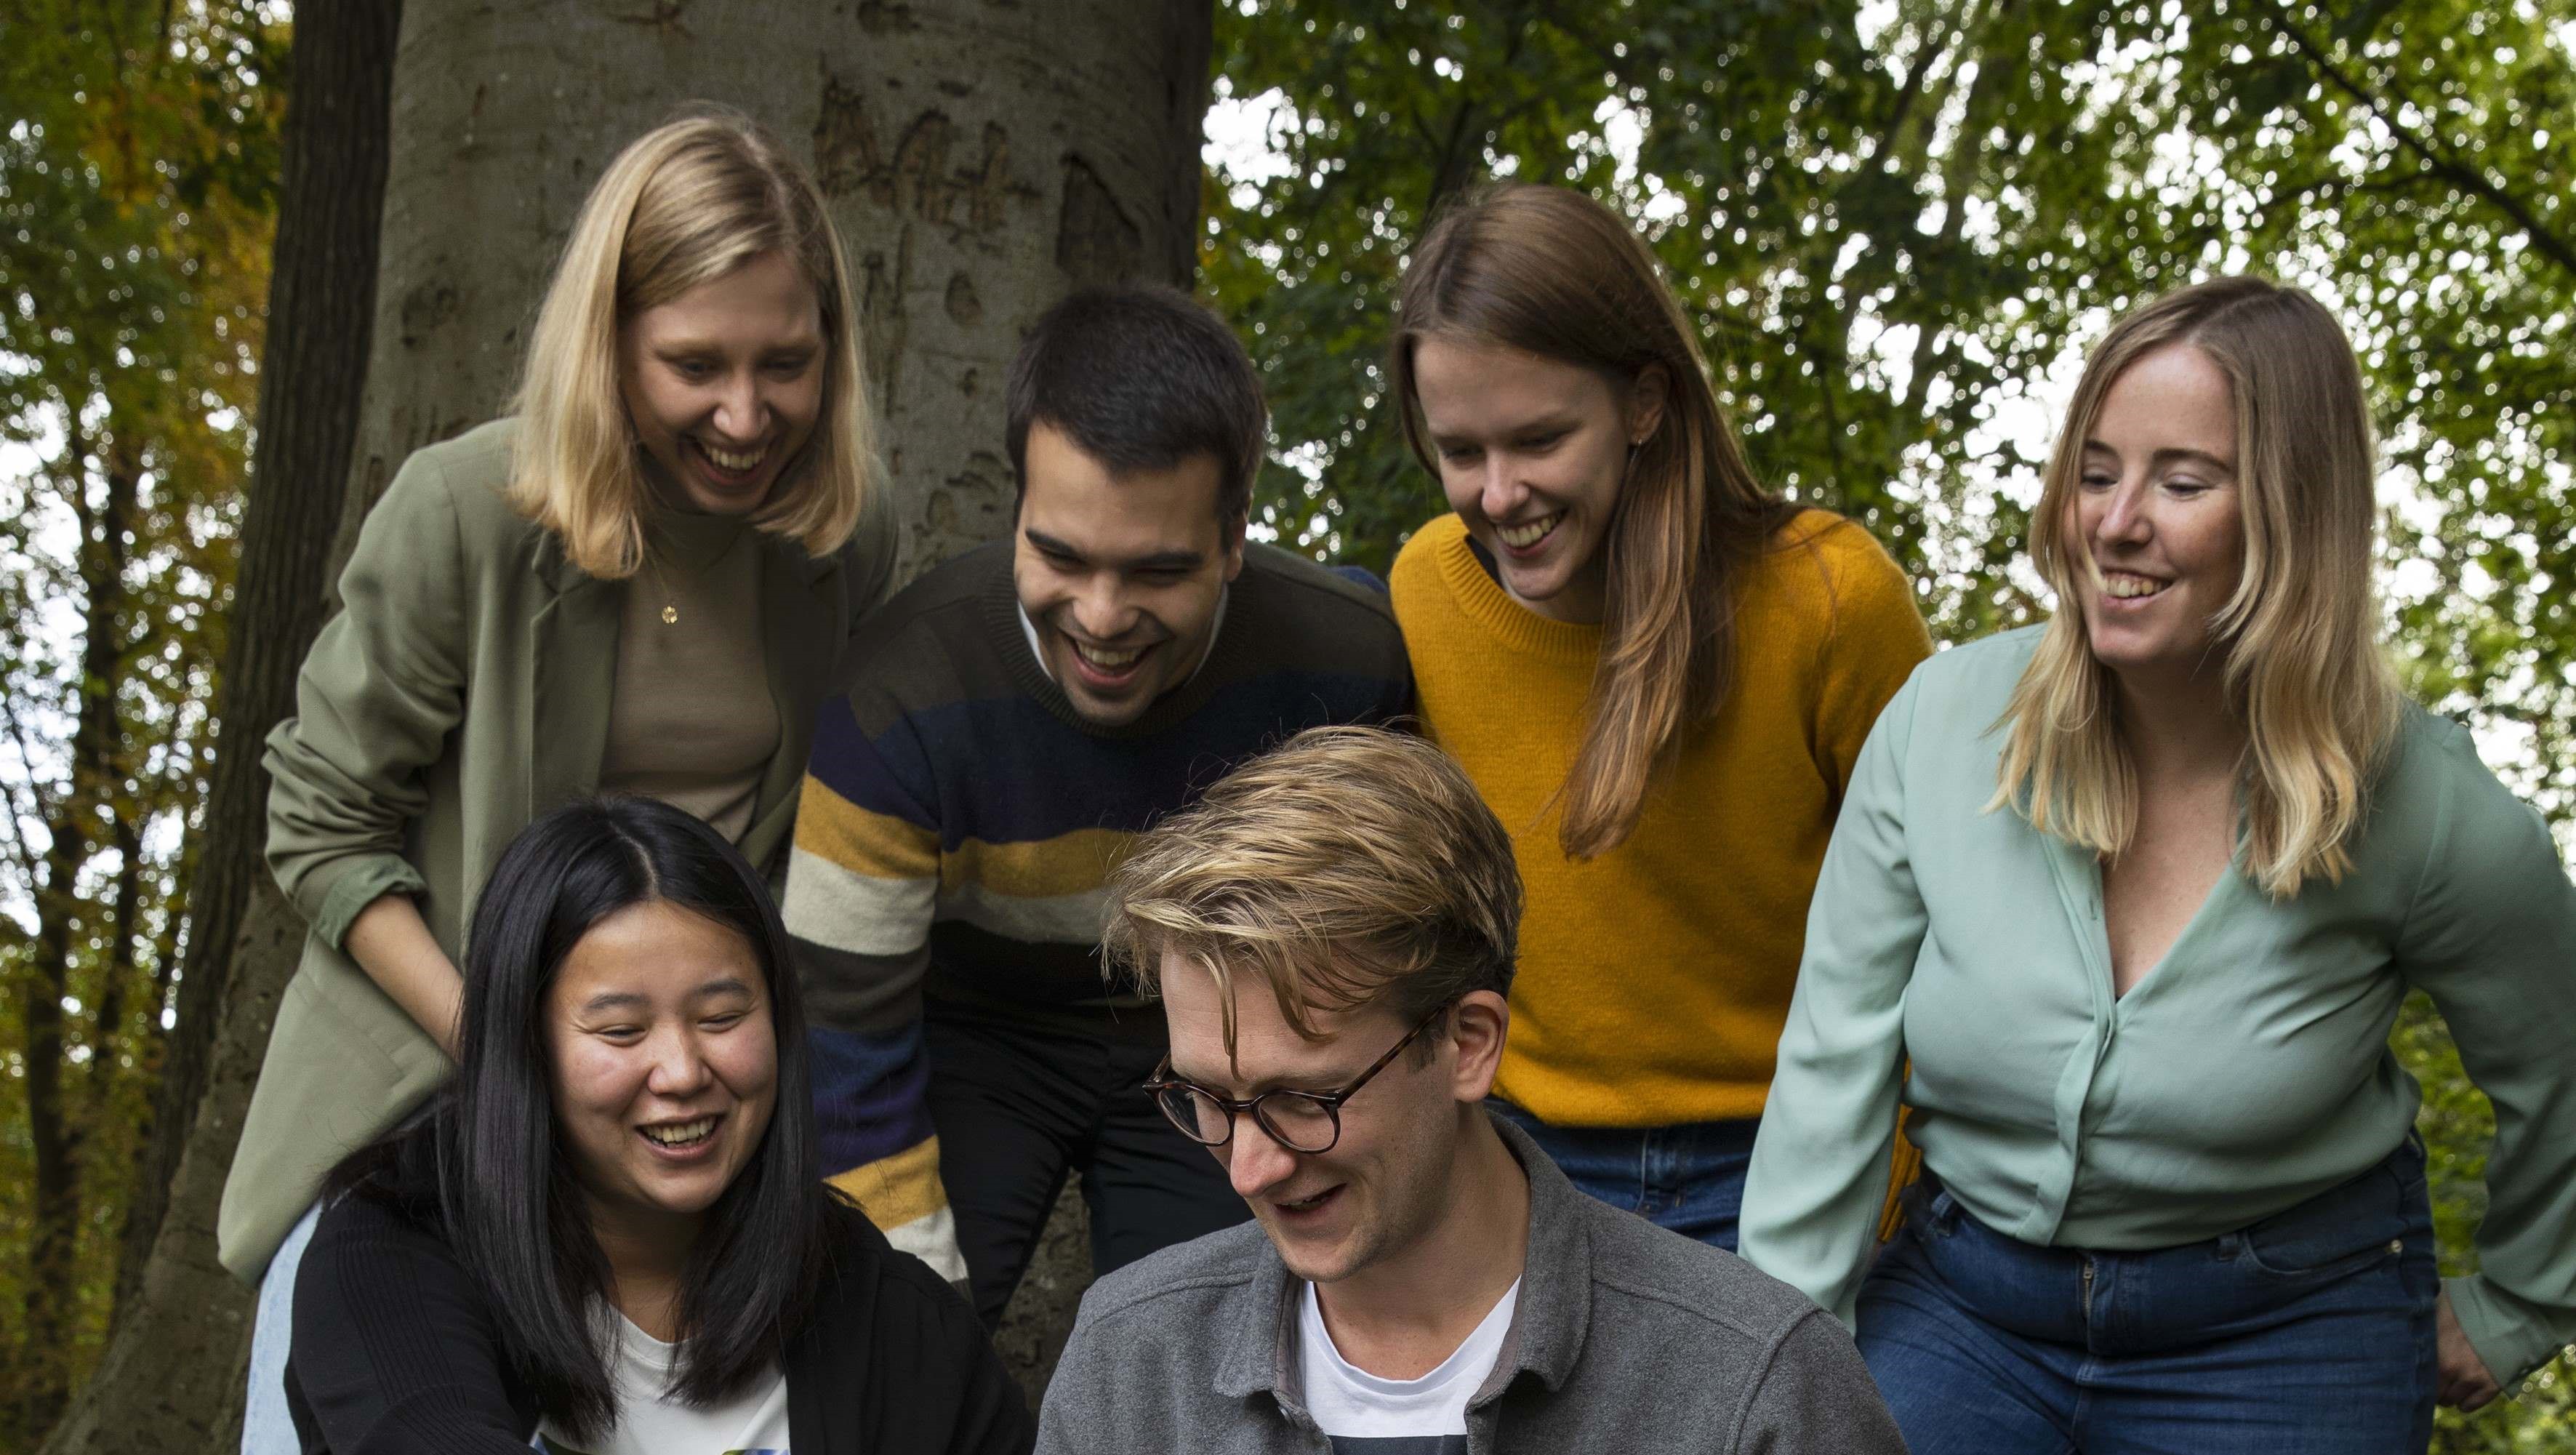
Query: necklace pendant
point(670, 616)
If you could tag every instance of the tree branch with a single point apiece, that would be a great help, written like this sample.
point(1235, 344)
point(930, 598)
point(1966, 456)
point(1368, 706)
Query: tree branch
point(43, 810)
point(2462, 175)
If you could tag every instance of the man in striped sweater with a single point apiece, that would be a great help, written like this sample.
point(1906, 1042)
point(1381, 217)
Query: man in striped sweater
point(1017, 716)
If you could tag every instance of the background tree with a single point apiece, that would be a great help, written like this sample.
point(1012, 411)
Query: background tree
point(135, 180)
point(982, 160)
point(181, 1314)
point(1895, 221)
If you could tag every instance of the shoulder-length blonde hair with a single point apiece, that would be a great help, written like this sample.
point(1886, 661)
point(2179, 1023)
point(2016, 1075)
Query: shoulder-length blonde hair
point(684, 204)
point(2303, 668)
point(1552, 272)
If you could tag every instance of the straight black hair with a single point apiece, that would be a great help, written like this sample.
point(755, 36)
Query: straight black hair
point(485, 1164)
point(1141, 378)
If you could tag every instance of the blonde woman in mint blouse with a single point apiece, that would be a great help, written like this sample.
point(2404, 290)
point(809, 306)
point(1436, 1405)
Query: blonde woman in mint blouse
point(2137, 894)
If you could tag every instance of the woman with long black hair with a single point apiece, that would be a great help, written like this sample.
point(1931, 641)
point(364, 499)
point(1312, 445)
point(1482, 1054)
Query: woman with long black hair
point(610, 1230)
point(637, 582)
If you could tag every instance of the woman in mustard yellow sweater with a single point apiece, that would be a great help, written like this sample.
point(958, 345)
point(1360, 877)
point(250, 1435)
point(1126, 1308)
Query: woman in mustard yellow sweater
point(1658, 673)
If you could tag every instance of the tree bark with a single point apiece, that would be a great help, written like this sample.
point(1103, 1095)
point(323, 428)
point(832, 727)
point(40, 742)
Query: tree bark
point(171, 1375)
point(982, 159)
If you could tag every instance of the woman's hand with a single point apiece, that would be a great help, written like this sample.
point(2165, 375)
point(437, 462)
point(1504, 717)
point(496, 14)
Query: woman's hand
point(2462, 1379)
point(391, 942)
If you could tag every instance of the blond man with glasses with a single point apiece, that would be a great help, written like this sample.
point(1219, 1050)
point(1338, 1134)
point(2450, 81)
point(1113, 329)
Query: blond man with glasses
point(1331, 932)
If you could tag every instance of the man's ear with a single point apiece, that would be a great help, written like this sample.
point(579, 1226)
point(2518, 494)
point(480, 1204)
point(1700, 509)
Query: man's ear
point(1478, 1025)
point(1234, 534)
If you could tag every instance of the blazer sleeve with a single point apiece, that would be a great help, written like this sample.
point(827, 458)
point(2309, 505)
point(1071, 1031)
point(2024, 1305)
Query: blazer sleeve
point(2492, 938)
point(1820, 1167)
point(862, 891)
point(394, 1349)
point(381, 688)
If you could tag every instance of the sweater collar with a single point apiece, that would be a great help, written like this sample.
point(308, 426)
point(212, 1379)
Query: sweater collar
point(1484, 601)
point(1548, 1323)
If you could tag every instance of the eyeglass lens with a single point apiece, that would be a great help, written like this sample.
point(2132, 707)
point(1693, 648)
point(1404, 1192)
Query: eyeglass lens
point(1299, 1122)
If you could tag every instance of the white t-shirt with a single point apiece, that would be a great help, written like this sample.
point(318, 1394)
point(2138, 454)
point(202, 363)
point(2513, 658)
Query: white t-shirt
point(653, 1422)
point(1366, 1415)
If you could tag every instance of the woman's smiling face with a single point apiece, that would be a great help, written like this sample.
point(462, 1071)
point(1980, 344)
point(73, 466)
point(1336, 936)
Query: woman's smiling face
point(2156, 525)
point(665, 1063)
point(1533, 453)
point(724, 384)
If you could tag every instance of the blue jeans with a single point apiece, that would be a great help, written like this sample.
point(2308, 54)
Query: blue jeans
point(1689, 1177)
point(2308, 1333)
point(266, 1428)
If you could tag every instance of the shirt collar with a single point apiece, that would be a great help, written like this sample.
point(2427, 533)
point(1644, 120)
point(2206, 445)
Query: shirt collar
point(1549, 1321)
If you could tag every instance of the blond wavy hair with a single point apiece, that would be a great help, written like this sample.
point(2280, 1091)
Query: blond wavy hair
point(686, 203)
point(1552, 272)
point(1350, 867)
point(2304, 670)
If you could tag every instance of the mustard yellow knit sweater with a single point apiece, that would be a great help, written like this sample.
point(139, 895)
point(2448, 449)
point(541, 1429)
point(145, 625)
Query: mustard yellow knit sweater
point(1654, 979)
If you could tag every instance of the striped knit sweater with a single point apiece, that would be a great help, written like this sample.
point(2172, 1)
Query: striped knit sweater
point(959, 821)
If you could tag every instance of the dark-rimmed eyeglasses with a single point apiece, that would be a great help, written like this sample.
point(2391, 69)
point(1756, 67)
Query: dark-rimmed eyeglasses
point(1301, 1121)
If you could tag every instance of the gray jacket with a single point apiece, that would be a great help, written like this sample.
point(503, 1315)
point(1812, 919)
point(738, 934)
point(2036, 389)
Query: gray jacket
point(1626, 1337)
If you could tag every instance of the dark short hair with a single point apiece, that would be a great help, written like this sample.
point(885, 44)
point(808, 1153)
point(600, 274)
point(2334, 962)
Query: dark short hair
point(1141, 378)
point(484, 1164)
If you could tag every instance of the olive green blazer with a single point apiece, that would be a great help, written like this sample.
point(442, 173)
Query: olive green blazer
point(462, 690)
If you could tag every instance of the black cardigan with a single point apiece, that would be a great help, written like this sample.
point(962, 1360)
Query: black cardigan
point(395, 1352)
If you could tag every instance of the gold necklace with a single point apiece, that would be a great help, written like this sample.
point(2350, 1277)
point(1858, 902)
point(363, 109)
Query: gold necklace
point(670, 603)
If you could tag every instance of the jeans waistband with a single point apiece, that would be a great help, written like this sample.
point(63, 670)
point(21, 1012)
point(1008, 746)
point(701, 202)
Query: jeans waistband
point(1926, 1200)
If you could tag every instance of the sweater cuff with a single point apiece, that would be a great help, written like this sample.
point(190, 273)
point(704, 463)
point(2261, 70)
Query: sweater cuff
point(2512, 1337)
point(355, 885)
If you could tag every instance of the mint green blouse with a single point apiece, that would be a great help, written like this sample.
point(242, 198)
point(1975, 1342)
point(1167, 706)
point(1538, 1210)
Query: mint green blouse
point(2248, 1071)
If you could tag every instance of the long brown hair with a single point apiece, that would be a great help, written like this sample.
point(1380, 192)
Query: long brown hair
point(1554, 273)
point(2304, 670)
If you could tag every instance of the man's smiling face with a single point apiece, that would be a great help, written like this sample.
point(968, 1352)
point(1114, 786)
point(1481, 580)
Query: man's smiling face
point(1121, 573)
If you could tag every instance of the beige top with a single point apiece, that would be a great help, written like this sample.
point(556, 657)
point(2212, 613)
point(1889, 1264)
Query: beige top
point(691, 721)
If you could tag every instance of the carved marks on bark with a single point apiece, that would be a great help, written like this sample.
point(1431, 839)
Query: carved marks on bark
point(1095, 240)
point(969, 508)
point(949, 258)
point(916, 177)
point(931, 176)
point(883, 320)
point(428, 305)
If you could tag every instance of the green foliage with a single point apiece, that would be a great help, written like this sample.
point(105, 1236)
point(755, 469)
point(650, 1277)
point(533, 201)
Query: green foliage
point(1897, 224)
point(136, 178)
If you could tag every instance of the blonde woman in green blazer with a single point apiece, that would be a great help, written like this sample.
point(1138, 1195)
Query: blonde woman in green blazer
point(640, 582)
point(2138, 894)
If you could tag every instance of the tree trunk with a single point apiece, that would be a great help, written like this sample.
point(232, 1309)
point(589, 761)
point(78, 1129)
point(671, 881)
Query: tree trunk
point(54, 1127)
point(982, 159)
point(321, 312)
point(171, 1375)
